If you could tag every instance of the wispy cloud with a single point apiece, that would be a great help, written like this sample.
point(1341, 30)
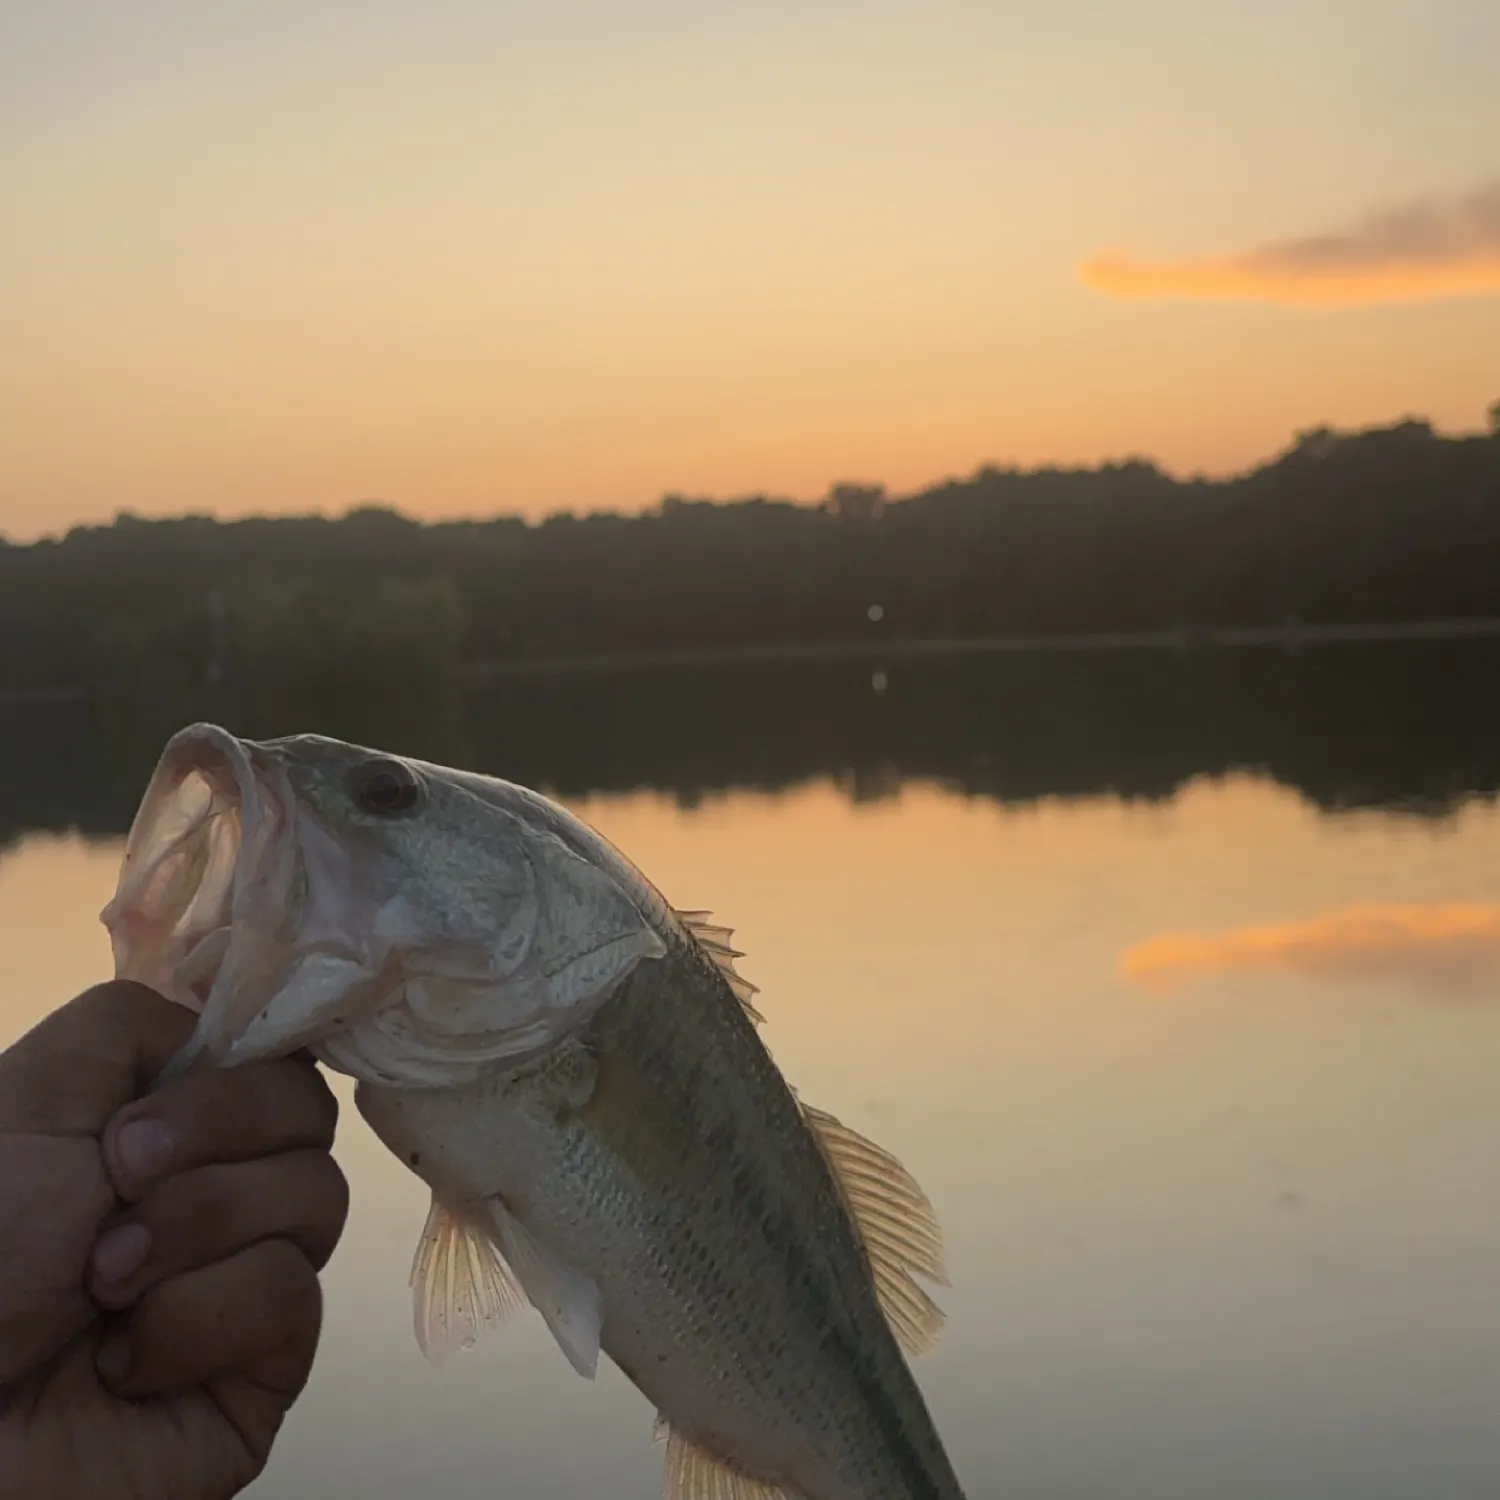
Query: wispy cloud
point(1416, 252)
point(1451, 947)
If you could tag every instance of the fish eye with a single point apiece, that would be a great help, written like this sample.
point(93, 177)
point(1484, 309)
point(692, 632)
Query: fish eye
point(384, 787)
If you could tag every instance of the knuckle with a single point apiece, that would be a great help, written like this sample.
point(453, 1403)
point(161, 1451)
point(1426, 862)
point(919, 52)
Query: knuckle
point(287, 1276)
point(204, 1109)
point(196, 1210)
point(323, 1104)
point(284, 1102)
point(315, 1195)
point(240, 1113)
point(299, 1199)
point(330, 1206)
point(281, 1260)
point(225, 1316)
point(132, 1016)
point(231, 1110)
point(336, 1186)
point(114, 994)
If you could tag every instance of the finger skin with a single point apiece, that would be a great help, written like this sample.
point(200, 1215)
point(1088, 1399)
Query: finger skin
point(256, 1315)
point(59, 1085)
point(53, 1197)
point(211, 1213)
point(213, 1355)
point(224, 1115)
point(76, 1067)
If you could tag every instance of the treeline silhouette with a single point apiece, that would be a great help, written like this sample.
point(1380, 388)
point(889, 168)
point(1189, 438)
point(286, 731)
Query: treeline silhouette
point(1389, 525)
point(1412, 728)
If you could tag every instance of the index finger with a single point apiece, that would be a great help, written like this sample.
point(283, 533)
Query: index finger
point(219, 1115)
point(72, 1071)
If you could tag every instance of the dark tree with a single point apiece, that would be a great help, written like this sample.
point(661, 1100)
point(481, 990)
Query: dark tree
point(1393, 524)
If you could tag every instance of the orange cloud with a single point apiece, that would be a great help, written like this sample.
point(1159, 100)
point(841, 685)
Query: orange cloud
point(1419, 252)
point(1453, 947)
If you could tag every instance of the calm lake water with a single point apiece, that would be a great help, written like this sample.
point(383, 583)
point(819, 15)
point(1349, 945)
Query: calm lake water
point(1175, 984)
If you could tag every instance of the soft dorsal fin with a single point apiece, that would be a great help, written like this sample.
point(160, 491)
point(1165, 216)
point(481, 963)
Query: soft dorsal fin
point(896, 1224)
point(714, 940)
point(693, 1473)
point(460, 1284)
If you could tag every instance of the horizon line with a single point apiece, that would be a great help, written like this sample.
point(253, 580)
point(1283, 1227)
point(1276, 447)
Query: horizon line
point(383, 506)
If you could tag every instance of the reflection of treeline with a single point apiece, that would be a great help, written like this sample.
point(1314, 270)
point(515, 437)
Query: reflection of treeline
point(1412, 727)
point(1394, 524)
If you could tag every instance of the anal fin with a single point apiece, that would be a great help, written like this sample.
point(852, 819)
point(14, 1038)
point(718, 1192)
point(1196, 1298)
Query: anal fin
point(693, 1473)
point(460, 1284)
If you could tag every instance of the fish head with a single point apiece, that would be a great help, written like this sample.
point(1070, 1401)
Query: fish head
point(406, 922)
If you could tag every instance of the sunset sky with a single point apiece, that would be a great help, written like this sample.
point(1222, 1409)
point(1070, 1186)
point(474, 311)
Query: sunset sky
point(472, 257)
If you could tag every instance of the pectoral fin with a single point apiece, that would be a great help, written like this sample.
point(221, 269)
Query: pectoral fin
point(460, 1284)
point(472, 1272)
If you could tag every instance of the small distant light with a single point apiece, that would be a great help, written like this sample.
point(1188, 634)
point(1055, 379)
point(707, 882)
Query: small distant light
point(875, 612)
point(878, 681)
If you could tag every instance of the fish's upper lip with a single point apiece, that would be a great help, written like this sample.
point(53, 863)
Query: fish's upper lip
point(152, 935)
point(208, 748)
point(234, 766)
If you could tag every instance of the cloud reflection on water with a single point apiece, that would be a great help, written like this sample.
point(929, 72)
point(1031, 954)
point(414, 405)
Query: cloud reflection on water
point(1451, 947)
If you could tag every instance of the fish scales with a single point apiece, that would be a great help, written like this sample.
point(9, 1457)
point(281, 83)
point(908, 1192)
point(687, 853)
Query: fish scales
point(690, 1187)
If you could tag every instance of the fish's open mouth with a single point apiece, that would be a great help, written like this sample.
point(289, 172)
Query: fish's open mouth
point(209, 869)
point(259, 892)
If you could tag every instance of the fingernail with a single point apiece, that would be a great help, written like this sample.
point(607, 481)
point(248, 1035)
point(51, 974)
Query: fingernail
point(144, 1147)
point(120, 1252)
point(113, 1359)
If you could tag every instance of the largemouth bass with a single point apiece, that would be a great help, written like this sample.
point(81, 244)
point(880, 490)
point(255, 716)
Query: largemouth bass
point(574, 1069)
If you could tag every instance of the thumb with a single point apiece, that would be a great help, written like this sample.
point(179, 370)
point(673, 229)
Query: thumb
point(72, 1071)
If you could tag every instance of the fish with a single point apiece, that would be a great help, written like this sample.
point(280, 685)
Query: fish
point(575, 1069)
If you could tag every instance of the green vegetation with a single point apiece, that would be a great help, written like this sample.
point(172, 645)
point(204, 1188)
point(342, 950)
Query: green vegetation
point(1389, 525)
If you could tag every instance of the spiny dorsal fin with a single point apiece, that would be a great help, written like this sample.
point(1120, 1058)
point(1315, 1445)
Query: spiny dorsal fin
point(714, 940)
point(460, 1284)
point(692, 1473)
point(896, 1224)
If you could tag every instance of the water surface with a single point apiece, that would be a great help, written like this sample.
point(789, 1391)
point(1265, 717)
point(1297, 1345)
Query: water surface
point(1202, 1083)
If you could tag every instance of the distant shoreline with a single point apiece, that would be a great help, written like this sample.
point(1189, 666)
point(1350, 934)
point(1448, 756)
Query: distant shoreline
point(895, 649)
point(1394, 528)
point(898, 649)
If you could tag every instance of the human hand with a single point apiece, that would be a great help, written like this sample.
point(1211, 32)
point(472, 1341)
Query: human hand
point(159, 1297)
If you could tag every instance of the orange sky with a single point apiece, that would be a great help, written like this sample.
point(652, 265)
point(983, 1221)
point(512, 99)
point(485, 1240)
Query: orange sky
point(468, 259)
point(1422, 251)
